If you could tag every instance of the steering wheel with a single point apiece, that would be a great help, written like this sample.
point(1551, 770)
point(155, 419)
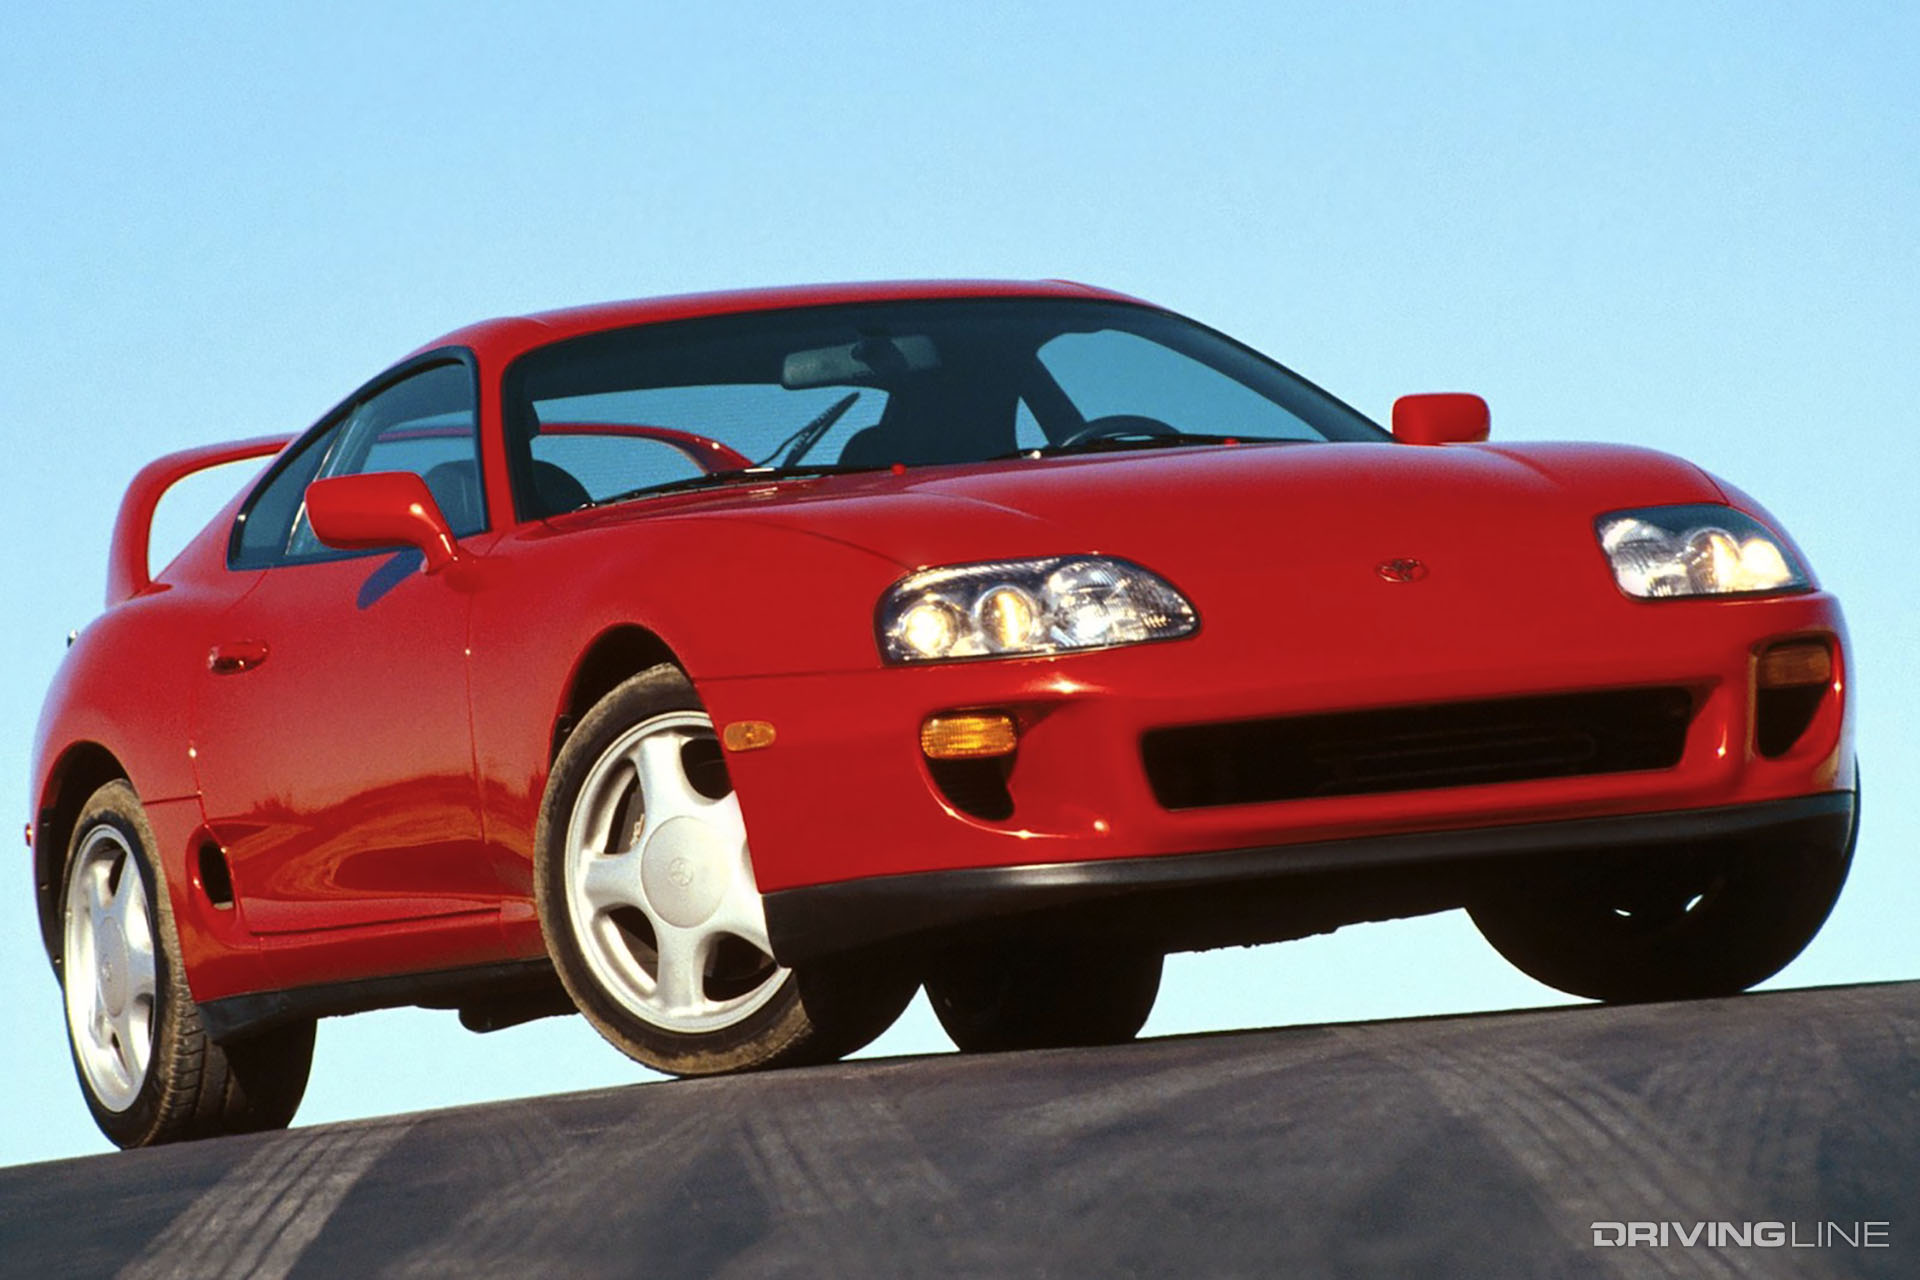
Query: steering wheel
point(1118, 426)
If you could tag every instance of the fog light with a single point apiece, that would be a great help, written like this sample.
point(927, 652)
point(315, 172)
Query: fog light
point(1792, 666)
point(974, 736)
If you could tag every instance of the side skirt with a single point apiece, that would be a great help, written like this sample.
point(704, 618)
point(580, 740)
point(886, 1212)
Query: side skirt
point(488, 996)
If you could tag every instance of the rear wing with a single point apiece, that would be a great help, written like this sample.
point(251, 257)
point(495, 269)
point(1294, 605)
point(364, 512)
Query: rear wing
point(127, 571)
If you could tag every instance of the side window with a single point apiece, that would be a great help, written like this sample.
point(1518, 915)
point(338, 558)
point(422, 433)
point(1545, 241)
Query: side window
point(425, 424)
point(260, 536)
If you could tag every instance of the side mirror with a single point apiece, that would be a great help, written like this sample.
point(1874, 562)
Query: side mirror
point(1444, 417)
point(381, 509)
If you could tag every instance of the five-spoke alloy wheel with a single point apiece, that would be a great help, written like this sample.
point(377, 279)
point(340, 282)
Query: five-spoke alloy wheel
point(148, 1069)
point(660, 893)
point(653, 918)
point(112, 989)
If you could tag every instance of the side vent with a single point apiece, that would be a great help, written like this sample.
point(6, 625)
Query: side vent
point(216, 880)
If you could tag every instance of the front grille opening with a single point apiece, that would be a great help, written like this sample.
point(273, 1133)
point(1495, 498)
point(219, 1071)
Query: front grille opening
point(1417, 748)
point(977, 787)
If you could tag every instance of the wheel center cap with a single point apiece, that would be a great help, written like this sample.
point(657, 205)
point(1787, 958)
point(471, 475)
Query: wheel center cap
point(684, 871)
point(111, 959)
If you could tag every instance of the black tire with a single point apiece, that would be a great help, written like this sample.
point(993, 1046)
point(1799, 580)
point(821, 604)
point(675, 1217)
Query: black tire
point(1040, 997)
point(190, 1087)
point(1670, 926)
point(815, 1013)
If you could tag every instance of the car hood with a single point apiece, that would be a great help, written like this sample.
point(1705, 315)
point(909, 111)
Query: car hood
point(1172, 508)
point(1236, 527)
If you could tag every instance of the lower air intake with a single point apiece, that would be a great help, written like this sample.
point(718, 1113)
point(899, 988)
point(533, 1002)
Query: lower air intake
point(1454, 744)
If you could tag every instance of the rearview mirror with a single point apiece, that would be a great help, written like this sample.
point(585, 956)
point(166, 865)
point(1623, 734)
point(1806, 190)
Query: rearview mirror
point(381, 509)
point(1442, 417)
point(859, 363)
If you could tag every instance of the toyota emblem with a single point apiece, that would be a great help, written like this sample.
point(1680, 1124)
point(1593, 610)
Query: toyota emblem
point(1402, 569)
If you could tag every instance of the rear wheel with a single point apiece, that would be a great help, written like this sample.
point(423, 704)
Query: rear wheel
point(1673, 927)
point(147, 1068)
point(1041, 997)
point(651, 913)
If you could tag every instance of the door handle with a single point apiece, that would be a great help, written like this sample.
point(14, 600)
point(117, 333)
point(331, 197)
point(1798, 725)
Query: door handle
point(232, 658)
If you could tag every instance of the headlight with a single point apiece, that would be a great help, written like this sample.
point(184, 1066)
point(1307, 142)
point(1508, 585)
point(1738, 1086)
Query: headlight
point(1014, 608)
point(1702, 550)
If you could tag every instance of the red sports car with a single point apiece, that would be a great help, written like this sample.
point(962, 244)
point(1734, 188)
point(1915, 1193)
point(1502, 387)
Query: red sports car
point(726, 667)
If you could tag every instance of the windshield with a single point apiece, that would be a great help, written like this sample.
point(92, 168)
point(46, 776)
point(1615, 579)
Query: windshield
point(667, 406)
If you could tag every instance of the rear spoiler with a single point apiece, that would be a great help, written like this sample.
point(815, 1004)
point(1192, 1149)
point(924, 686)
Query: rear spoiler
point(127, 572)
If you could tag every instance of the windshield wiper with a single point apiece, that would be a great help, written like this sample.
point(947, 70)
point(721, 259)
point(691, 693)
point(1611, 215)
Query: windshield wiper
point(720, 479)
point(797, 444)
point(1142, 440)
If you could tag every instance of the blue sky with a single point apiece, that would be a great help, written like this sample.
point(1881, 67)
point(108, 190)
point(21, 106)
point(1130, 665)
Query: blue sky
point(1686, 227)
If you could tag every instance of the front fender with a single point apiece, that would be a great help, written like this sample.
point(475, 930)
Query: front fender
point(727, 597)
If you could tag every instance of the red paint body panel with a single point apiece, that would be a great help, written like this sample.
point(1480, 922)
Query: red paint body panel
point(373, 769)
point(338, 774)
point(222, 955)
point(590, 573)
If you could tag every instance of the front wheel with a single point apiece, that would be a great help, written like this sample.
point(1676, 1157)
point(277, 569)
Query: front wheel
point(148, 1070)
point(1689, 925)
point(651, 913)
point(1044, 997)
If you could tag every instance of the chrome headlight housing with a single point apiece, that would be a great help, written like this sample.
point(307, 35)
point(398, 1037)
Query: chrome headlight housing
point(1696, 550)
point(1019, 608)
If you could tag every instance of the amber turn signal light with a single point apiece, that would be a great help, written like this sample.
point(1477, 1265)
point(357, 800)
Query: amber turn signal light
point(973, 736)
point(1795, 665)
point(747, 735)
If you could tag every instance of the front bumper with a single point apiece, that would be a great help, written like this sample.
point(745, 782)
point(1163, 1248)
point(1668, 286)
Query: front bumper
point(844, 795)
point(810, 922)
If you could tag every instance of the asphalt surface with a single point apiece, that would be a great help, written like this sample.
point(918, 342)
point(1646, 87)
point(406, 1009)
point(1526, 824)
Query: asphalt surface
point(1480, 1146)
